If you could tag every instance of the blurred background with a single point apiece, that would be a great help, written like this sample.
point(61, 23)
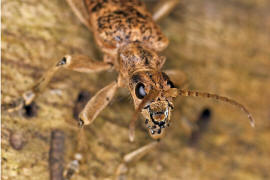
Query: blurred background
point(222, 46)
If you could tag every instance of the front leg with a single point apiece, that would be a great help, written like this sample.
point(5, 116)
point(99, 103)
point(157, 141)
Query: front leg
point(78, 63)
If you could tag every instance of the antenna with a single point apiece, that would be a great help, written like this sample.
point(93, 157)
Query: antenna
point(219, 98)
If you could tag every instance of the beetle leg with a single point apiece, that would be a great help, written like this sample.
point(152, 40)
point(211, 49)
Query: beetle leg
point(133, 156)
point(79, 9)
point(78, 63)
point(93, 107)
point(164, 8)
point(97, 103)
point(177, 77)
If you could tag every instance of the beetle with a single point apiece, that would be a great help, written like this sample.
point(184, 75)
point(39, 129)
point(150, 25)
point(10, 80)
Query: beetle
point(131, 40)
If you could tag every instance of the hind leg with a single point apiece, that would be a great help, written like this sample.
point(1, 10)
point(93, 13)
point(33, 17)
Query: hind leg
point(79, 9)
point(164, 8)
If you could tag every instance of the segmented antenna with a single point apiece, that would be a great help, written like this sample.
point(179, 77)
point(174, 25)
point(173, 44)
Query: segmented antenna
point(220, 98)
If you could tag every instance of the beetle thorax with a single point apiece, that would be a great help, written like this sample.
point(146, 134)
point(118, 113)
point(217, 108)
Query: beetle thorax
point(135, 57)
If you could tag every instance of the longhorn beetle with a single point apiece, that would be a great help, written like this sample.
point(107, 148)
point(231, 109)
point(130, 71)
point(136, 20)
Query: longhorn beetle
point(131, 40)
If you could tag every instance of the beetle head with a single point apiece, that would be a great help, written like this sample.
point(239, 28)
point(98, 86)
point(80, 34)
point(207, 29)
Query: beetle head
point(151, 92)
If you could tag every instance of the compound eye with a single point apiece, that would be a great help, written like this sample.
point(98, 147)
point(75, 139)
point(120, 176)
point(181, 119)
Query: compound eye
point(139, 91)
point(170, 83)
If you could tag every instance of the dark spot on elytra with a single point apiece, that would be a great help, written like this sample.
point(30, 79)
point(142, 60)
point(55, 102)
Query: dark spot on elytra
point(151, 78)
point(97, 7)
point(30, 110)
point(140, 15)
point(119, 12)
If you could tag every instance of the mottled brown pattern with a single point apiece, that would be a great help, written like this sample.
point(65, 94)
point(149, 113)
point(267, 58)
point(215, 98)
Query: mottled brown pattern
point(116, 23)
point(134, 57)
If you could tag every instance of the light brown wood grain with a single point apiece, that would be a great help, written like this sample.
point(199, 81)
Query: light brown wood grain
point(222, 46)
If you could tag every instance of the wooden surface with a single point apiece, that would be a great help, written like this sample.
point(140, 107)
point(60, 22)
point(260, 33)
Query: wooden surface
point(222, 46)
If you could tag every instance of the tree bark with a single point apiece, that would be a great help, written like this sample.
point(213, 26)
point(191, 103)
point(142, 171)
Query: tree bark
point(222, 46)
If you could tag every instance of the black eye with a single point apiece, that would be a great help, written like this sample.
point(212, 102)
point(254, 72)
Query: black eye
point(139, 91)
point(170, 83)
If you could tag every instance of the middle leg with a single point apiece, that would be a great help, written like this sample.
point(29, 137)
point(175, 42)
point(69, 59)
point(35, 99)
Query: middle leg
point(133, 156)
point(177, 77)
